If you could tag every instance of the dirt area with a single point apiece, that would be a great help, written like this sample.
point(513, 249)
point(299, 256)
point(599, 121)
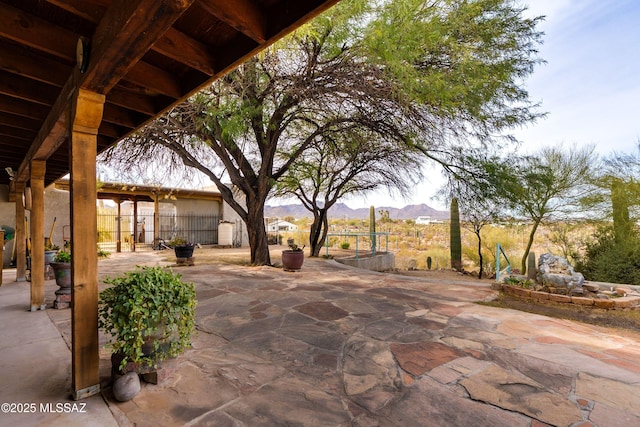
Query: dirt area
point(622, 319)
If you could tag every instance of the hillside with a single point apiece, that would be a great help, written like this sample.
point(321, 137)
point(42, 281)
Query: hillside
point(340, 210)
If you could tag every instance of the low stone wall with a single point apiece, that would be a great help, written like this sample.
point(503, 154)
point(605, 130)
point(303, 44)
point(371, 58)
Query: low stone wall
point(379, 262)
point(624, 301)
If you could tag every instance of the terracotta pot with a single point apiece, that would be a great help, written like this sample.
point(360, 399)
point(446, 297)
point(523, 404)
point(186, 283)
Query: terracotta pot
point(292, 260)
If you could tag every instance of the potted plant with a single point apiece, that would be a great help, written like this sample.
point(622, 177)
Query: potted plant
point(182, 247)
point(292, 258)
point(149, 314)
point(61, 266)
point(50, 251)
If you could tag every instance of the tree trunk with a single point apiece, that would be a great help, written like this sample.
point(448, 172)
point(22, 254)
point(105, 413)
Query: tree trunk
point(536, 223)
point(257, 233)
point(318, 232)
point(480, 254)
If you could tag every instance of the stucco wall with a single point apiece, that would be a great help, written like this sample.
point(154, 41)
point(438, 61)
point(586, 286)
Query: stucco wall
point(56, 205)
point(197, 207)
point(228, 214)
point(7, 217)
point(380, 262)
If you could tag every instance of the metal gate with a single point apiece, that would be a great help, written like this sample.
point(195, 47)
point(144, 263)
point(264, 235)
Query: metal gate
point(202, 229)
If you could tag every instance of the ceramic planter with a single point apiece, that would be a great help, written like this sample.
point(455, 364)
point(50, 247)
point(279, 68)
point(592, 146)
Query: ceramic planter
point(292, 260)
point(184, 251)
point(62, 271)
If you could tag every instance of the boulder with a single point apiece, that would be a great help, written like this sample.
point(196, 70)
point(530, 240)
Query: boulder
point(126, 387)
point(555, 272)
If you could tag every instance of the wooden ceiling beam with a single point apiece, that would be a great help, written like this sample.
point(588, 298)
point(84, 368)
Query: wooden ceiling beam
point(22, 108)
point(19, 122)
point(53, 132)
point(118, 116)
point(37, 33)
point(182, 48)
point(155, 79)
point(124, 35)
point(132, 101)
point(174, 44)
point(27, 90)
point(27, 135)
point(110, 130)
point(92, 11)
point(243, 15)
point(26, 63)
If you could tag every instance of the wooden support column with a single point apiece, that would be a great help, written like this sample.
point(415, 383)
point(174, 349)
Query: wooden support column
point(119, 226)
point(20, 239)
point(37, 234)
point(156, 217)
point(135, 225)
point(85, 120)
point(1, 253)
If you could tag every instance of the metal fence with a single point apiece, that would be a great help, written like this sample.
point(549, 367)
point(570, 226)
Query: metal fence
point(201, 229)
point(367, 244)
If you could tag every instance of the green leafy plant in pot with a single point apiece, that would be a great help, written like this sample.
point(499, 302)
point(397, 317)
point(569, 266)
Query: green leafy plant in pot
point(182, 247)
point(149, 314)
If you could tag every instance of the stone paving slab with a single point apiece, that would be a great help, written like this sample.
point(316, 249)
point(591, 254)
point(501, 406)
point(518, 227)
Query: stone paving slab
point(336, 346)
point(339, 347)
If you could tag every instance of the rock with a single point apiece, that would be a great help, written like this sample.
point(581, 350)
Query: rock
point(126, 387)
point(370, 374)
point(517, 393)
point(591, 287)
point(555, 271)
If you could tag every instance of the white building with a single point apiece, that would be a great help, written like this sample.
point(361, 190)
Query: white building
point(280, 225)
point(423, 220)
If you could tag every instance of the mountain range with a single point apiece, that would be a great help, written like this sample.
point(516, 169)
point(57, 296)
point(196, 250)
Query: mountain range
point(340, 210)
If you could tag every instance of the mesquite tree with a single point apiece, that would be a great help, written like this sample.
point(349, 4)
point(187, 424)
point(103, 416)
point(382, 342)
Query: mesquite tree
point(481, 189)
point(350, 68)
point(350, 162)
point(552, 183)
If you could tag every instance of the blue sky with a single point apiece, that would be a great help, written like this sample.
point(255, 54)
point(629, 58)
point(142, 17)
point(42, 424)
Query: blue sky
point(589, 87)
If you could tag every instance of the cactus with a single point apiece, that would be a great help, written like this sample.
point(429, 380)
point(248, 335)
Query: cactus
point(622, 226)
point(372, 227)
point(532, 270)
point(454, 236)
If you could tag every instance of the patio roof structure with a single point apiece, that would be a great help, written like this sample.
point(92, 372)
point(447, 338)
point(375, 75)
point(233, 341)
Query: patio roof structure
point(76, 76)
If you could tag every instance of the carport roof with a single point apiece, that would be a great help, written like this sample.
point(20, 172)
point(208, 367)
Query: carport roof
point(144, 55)
point(145, 193)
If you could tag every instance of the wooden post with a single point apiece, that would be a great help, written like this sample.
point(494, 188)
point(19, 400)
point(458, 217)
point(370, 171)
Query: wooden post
point(135, 225)
point(37, 234)
point(20, 241)
point(85, 120)
point(118, 227)
point(1, 254)
point(156, 217)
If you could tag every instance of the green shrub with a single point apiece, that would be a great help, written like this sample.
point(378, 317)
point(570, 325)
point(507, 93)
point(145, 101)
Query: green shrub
point(344, 245)
point(608, 259)
point(148, 305)
point(62, 256)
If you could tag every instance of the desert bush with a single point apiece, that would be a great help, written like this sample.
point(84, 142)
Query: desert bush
point(607, 259)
